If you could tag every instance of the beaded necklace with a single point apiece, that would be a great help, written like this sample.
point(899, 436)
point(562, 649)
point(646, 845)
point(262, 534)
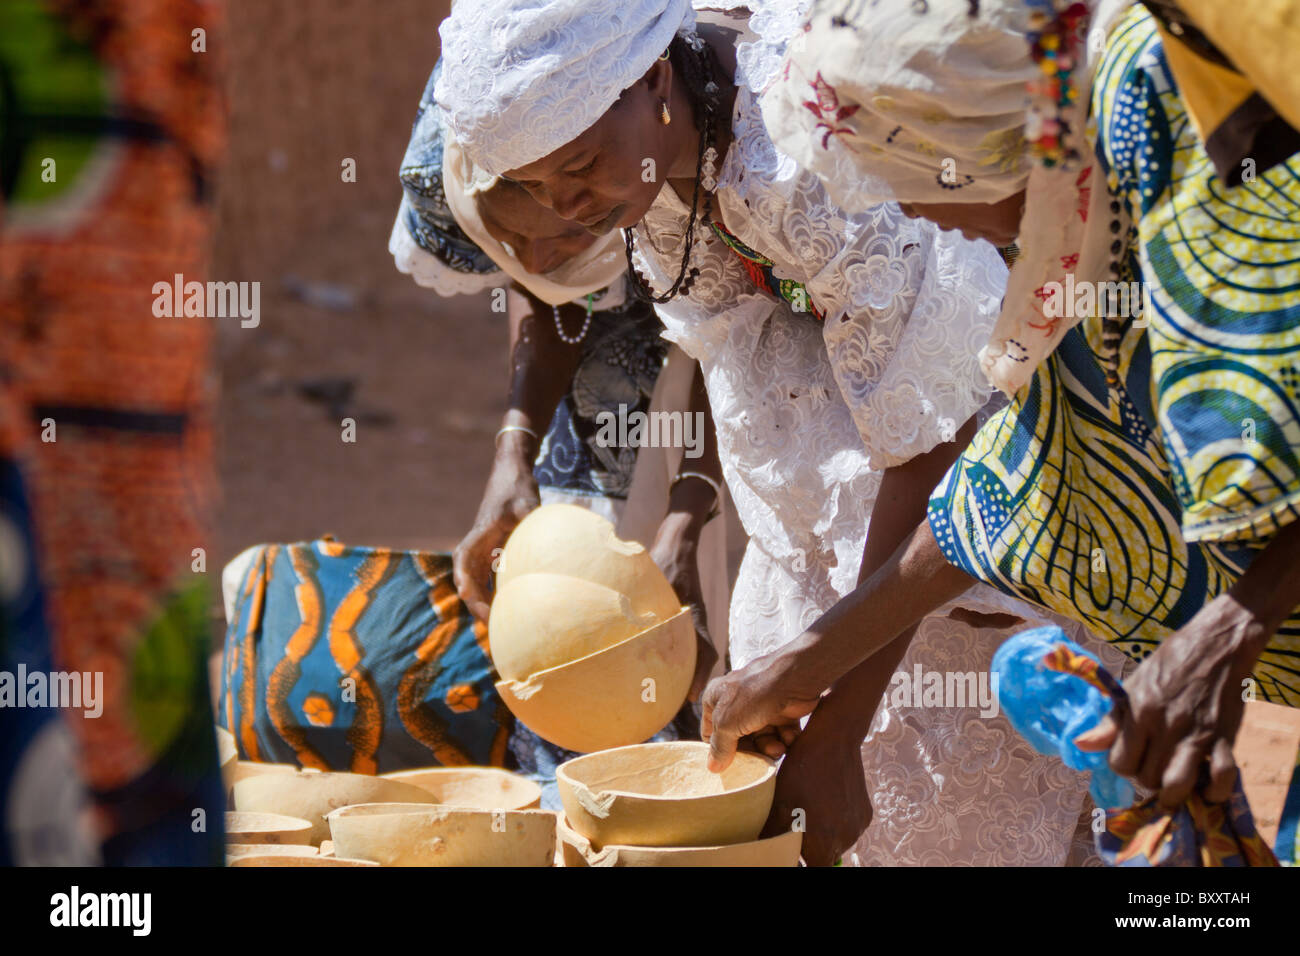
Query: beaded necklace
point(559, 326)
point(760, 269)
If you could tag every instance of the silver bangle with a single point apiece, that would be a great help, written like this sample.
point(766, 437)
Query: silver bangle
point(713, 483)
point(515, 428)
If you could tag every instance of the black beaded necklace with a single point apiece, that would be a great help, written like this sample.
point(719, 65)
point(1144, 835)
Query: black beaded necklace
point(708, 130)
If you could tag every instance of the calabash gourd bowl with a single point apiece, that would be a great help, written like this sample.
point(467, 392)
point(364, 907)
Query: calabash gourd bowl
point(312, 795)
point(272, 828)
point(236, 850)
point(483, 788)
point(781, 850)
point(664, 795)
point(614, 697)
point(397, 834)
point(297, 861)
point(227, 756)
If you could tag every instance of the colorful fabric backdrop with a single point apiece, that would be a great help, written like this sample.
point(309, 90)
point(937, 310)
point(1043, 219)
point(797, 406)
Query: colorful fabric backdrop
point(110, 128)
point(358, 659)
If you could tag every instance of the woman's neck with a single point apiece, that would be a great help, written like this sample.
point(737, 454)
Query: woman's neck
point(682, 175)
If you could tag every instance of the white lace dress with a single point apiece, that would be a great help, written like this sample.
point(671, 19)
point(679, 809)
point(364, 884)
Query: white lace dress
point(808, 414)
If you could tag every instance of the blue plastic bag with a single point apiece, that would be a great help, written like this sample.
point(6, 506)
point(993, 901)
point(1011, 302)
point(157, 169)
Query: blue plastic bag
point(1051, 707)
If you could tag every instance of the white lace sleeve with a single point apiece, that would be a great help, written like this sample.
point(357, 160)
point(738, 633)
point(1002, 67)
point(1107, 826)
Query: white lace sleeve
point(907, 308)
point(915, 395)
point(426, 269)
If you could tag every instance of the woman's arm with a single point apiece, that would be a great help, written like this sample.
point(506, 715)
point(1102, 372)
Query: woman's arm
point(542, 366)
point(813, 778)
point(788, 684)
point(692, 502)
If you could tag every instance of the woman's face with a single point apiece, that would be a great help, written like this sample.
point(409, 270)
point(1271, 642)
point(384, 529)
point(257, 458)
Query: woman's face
point(609, 176)
point(997, 222)
point(537, 237)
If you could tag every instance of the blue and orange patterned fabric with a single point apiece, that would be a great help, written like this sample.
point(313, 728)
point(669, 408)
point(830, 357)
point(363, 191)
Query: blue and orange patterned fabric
point(1198, 833)
point(358, 659)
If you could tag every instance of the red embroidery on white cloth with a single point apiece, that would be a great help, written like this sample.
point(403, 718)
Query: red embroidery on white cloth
point(828, 111)
point(1085, 193)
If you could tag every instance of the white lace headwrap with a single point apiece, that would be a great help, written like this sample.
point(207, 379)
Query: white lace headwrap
point(928, 103)
point(521, 78)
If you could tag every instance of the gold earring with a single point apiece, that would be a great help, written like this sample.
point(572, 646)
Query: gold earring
point(665, 117)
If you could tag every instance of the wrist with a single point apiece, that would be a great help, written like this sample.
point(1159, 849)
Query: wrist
point(693, 500)
point(517, 443)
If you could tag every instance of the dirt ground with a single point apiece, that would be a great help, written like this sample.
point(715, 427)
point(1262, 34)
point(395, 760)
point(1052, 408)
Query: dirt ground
point(310, 84)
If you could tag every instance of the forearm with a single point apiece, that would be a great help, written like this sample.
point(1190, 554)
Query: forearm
point(899, 508)
point(542, 367)
point(691, 501)
point(1269, 592)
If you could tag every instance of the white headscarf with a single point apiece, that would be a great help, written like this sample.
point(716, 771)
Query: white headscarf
point(521, 78)
point(928, 103)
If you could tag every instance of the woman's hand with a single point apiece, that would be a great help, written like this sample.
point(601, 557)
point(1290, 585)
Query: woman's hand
point(1185, 705)
point(764, 700)
point(510, 495)
point(1187, 698)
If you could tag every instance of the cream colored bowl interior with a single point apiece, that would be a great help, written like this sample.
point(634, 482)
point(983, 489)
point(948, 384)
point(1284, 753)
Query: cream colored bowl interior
point(485, 788)
point(670, 770)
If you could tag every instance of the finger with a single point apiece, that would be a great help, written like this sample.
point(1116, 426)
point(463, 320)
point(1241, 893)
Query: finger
point(1099, 737)
point(1180, 776)
point(707, 700)
point(713, 728)
point(769, 744)
point(722, 748)
point(1156, 760)
point(1223, 772)
point(467, 575)
point(789, 733)
point(1129, 748)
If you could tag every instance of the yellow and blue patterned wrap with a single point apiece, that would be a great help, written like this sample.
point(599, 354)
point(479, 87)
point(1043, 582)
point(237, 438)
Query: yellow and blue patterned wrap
point(358, 659)
point(1127, 508)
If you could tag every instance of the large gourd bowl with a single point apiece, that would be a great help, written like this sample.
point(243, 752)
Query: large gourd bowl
point(592, 645)
point(664, 795)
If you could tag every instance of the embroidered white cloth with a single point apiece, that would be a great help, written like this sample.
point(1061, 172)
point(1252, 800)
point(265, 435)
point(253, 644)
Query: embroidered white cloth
point(521, 78)
point(928, 103)
point(807, 413)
